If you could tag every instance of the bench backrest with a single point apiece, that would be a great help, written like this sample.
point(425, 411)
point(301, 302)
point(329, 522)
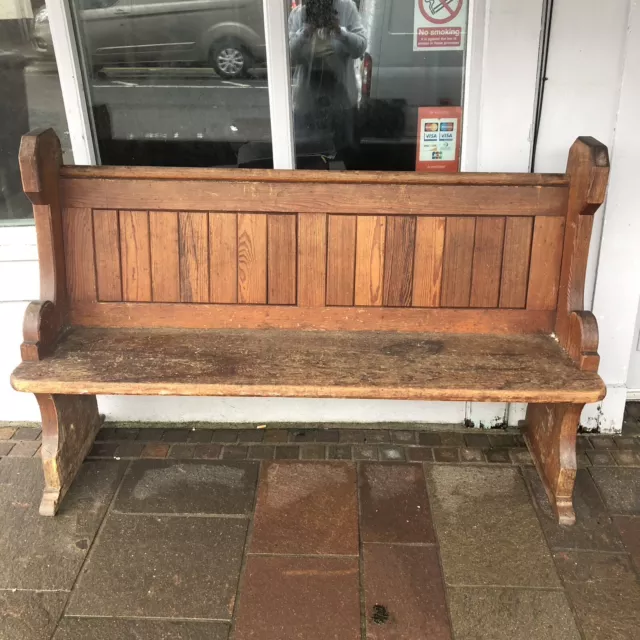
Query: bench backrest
point(144, 247)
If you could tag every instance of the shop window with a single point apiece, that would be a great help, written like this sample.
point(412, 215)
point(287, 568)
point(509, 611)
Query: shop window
point(30, 97)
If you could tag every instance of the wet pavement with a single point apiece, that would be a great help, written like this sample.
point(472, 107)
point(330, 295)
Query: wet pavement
point(320, 533)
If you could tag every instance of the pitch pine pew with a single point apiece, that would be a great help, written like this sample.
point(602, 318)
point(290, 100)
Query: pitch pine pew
point(206, 282)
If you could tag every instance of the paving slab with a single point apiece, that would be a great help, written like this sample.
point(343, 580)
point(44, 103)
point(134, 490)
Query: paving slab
point(188, 486)
point(488, 530)
point(299, 598)
point(593, 530)
point(511, 614)
point(30, 615)
point(46, 553)
point(629, 529)
point(162, 566)
point(394, 506)
point(404, 593)
point(604, 591)
point(71, 628)
point(306, 508)
point(620, 489)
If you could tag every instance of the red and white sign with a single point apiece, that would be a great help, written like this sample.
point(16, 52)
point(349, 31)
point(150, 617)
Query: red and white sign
point(439, 136)
point(439, 25)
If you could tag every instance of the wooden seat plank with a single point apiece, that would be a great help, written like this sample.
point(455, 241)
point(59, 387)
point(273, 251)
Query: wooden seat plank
point(336, 364)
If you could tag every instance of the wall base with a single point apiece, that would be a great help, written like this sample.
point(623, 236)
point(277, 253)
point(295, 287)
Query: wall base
point(606, 416)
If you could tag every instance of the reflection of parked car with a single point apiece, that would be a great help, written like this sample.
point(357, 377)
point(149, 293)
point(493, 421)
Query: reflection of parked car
point(396, 80)
point(227, 34)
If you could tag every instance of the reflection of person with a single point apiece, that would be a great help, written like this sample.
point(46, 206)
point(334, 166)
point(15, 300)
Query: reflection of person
point(325, 37)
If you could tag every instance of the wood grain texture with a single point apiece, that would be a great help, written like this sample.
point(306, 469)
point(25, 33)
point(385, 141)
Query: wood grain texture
point(458, 261)
point(550, 434)
point(341, 260)
point(193, 231)
point(311, 197)
point(370, 249)
point(165, 256)
point(281, 259)
point(69, 427)
point(487, 262)
point(285, 176)
point(240, 316)
point(252, 258)
point(223, 257)
point(312, 260)
point(106, 233)
point(515, 262)
point(427, 268)
point(546, 260)
point(399, 253)
point(79, 256)
point(285, 363)
point(135, 252)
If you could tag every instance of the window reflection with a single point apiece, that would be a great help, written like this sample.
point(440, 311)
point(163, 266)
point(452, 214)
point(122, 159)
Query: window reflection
point(359, 81)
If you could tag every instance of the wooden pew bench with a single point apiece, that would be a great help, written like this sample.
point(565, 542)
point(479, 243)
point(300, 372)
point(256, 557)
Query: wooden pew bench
point(192, 282)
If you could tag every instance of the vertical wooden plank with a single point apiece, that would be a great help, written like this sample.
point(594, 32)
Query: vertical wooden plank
point(312, 259)
point(370, 240)
point(223, 257)
point(165, 260)
point(427, 270)
point(487, 262)
point(135, 255)
point(515, 262)
point(457, 262)
point(106, 233)
point(400, 244)
point(193, 231)
point(252, 258)
point(281, 258)
point(341, 260)
point(546, 260)
point(77, 228)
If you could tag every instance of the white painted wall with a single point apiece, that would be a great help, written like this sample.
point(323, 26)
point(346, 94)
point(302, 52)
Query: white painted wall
point(593, 89)
point(500, 104)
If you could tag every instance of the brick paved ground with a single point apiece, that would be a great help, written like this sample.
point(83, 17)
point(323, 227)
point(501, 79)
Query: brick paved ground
point(324, 533)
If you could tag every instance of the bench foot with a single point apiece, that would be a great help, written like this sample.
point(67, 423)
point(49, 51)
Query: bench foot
point(69, 427)
point(550, 433)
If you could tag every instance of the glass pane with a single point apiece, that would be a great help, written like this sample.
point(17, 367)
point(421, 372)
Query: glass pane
point(177, 82)
point(30, 97)
point(363, 69)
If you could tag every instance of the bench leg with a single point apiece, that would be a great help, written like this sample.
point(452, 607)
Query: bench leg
point(69, 427)
point(550, 433)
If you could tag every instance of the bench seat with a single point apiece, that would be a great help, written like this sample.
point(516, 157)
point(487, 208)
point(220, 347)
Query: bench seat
point(311, 364)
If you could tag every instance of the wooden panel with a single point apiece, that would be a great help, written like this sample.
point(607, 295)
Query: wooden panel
point(312, 259)
point(458, 260)
point(487, 262)
point(77, 226)
point(370, 241)
point(546, 258)
point(344, 177)
point(341, 260)
point(300, 197)
point(221, 316)
point(398, 261)
point(165, 260)
point(136, 256)
point(414, 366)
point(106, 233)
point(193, 230)
point(223, 257)
point(252, 258)
point(427, 270)
point(281, 259)
point(515, 262)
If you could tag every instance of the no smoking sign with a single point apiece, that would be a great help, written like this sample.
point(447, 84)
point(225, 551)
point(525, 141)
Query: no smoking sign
point(439, 25)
